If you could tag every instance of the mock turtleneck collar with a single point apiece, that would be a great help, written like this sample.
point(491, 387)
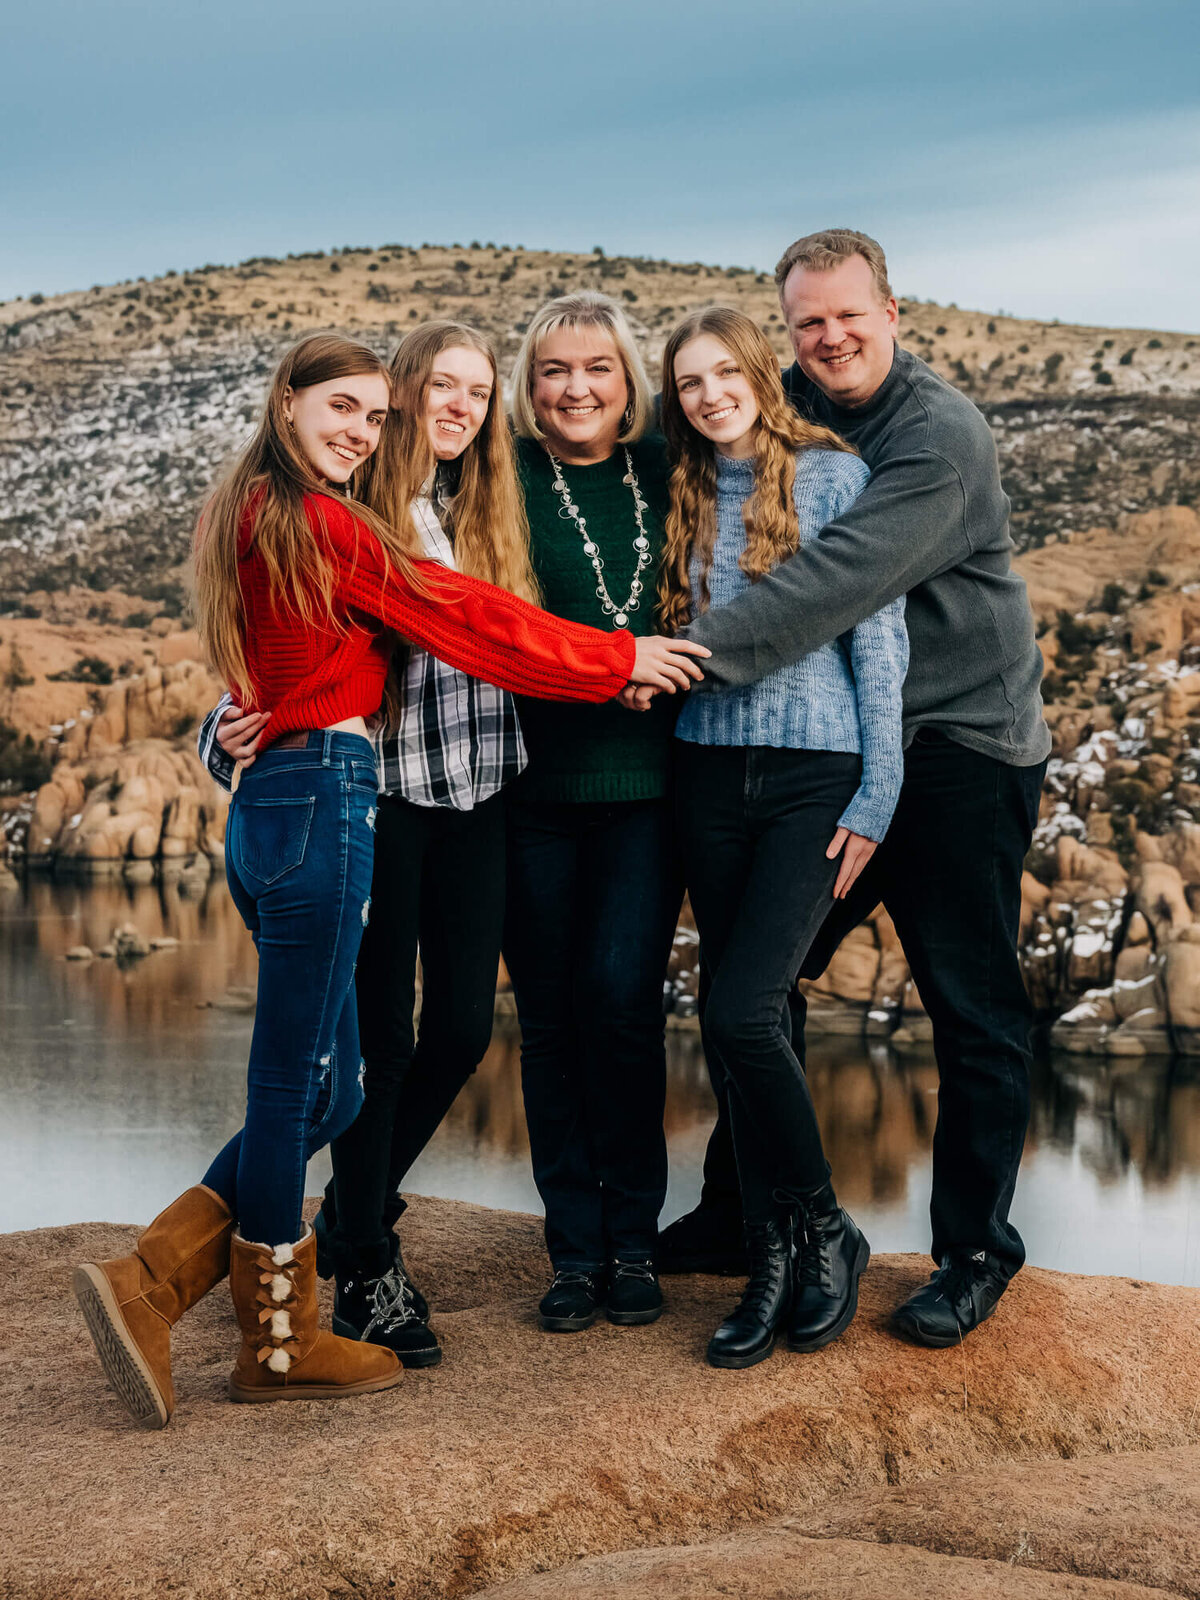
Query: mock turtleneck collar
point(733, 473)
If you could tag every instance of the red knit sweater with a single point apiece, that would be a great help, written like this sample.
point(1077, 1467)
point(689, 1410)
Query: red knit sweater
point(311, 676)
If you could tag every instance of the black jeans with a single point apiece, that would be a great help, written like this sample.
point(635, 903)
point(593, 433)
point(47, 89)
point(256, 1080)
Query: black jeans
point(949, 875)
point(439, 886)
point(754, 825)
point(593, 898)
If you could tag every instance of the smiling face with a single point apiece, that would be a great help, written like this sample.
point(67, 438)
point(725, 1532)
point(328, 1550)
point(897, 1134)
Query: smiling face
point(461, 382)
point(715, 395)
point(579, 393)
point(842, 332)
point(336, 424)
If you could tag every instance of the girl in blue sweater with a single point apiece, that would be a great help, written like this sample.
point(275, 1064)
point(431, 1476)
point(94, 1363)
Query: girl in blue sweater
point(785, 788)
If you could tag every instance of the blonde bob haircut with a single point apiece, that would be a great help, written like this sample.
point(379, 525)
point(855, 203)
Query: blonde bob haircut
point(587, 309)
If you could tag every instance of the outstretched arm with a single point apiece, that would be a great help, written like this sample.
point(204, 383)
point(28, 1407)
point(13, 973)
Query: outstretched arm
point(907, 525)
point(491, 634)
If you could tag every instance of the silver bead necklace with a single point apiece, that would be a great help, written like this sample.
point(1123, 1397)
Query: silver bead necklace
point(641, 544)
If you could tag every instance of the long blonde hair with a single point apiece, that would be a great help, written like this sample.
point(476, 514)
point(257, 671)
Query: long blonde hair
point(772, 526)
point(491, 533)
point(272, 466)
point(587, 309)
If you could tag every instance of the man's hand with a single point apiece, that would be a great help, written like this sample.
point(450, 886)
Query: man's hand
point(637, 697)
point(857, 852)
point(667, 664)
point(238, 735)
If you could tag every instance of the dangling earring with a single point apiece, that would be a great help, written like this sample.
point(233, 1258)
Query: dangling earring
point(627, 417)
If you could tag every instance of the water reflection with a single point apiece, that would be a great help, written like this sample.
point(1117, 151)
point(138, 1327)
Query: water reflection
point(119, 1082)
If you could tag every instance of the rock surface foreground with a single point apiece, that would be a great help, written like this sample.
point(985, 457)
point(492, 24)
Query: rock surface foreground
point(1056, 1453)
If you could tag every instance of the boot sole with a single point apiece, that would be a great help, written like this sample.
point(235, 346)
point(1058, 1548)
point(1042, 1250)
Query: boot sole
point(634, 1319)
point(912, 1333)
point(806, 1346)
point(124, 1365)
point(316, 1391)
point(406, 1358)
point(568, 1324)
point(740, 1363)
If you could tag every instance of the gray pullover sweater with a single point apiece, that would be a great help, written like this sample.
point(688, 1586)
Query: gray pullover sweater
point(932, 524)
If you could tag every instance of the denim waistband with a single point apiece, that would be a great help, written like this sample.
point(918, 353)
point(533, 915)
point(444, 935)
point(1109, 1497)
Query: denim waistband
point(332, 747)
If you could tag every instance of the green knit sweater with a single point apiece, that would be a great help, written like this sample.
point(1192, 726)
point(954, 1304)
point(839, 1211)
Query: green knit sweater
point(582, 752)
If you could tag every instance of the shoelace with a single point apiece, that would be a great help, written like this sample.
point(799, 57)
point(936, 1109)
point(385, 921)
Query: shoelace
point(813, 1263)
point(633, 1269)
point(568, 1280)
point(763, 1281)
point(956, 1284)
point(391, 1304)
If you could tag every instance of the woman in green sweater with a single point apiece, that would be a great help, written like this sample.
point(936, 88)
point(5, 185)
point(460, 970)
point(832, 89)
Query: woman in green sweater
point(594, 886)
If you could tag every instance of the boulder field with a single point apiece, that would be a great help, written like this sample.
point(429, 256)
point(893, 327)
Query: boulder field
point(1056, 1453)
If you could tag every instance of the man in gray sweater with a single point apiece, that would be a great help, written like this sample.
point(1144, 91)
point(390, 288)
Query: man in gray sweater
point(932, 524)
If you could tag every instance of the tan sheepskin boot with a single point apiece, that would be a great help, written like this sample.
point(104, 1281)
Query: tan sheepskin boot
point(131, 1303)
point(284, 1355)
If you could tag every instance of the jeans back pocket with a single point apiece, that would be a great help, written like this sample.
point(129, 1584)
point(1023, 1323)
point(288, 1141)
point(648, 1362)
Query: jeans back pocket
point(273, 835)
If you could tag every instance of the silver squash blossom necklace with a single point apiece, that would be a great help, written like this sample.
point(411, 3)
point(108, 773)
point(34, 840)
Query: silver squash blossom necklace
point(619, 614)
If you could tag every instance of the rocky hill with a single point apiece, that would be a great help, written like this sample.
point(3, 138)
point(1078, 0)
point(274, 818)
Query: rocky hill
point(151, 384)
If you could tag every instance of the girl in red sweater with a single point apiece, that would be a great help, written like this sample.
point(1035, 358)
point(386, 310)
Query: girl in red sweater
point(296, 593)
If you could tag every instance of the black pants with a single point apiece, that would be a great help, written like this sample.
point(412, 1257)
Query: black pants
point(754, 825)
point(439, 885)
point(949, 875)
point(593, 898)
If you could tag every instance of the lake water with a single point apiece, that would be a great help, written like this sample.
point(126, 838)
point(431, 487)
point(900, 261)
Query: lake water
point(119, 1082)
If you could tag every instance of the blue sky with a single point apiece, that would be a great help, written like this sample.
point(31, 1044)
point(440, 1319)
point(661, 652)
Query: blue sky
point(1040, 158)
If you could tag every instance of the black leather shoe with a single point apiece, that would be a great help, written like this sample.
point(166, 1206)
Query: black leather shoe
point(961, 1294)
point(708, 1239)
point(634, 1296)
point(571, 1303)
point(748, 1336)
point(378, 1310)
point(831, 1255)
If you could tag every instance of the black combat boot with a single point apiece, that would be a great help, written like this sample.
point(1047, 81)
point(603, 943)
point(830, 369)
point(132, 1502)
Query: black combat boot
point(748, 1336)
point(373, 1303)
point(831, 1256)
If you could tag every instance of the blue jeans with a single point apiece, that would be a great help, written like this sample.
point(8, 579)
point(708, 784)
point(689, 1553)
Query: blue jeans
point(593, 896)
point(299, 850)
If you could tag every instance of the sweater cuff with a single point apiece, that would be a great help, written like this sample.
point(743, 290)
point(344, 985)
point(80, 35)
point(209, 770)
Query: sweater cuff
point(869, 813)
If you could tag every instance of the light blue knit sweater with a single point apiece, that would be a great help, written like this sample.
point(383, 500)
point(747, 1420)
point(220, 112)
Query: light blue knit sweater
point(844, 696)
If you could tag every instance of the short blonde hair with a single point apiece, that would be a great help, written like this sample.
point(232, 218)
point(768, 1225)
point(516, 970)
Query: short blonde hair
point(818, 252)
point(587, 309)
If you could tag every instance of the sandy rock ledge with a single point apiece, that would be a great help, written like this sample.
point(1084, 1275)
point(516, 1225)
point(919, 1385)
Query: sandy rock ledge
point(1056, 1453)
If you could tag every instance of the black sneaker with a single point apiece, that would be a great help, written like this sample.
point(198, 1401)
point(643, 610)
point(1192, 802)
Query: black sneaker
point(634, 1296)
point(961, 1294)
point(708, 1239)
point(571, 1303)
point(380, 1311)
point(331, 1250)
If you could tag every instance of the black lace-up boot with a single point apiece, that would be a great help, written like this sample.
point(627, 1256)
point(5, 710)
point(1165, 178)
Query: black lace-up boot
point(748, 1336)
point(329, 1243)
point(961, 1294)
point(374, 1303)
point(571, 1302)
point(831, 1255)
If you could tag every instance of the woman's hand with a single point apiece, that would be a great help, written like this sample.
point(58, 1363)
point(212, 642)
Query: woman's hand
point(857, 852)
point(667, 664)
point(238, 735)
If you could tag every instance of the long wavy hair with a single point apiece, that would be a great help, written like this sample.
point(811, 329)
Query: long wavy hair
point(491, 533)
point(275, 471)
point(772, 526)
